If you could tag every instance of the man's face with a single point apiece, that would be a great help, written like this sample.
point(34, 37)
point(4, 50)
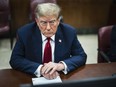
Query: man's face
point(47, 25)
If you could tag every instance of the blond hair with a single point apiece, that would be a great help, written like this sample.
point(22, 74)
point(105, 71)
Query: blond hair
point(47, 9)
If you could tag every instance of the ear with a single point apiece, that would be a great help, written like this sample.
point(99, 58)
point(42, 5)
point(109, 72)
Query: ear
point(58, 21)
point(36, 19)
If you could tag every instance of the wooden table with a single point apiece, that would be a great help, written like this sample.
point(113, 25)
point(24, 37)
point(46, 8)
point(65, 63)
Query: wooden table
point(13, 78)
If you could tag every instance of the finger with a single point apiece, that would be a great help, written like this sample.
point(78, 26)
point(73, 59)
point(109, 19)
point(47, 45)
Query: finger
point(48, 67)
point(44, 71)
point(53, 76)
point(48, 70)
point(50, 77)
point(44, 68)
point(47, 76)
point(57, 74)
point(52, 71)
point(44, 64)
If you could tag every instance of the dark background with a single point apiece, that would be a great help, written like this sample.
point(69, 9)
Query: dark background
point(86, 15)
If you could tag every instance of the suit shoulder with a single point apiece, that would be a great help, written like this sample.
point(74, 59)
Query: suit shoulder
point(67, 28)
point(26, 28)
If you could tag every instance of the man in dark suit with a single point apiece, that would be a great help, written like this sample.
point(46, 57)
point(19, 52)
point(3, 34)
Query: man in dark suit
point(65, 50)
point(112, 53)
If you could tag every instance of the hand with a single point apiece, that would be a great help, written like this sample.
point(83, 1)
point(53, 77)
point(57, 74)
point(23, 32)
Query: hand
point(50, 68)
point(51, 76)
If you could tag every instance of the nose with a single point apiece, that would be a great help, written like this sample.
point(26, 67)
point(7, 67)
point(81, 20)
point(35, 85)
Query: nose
point(48, 26)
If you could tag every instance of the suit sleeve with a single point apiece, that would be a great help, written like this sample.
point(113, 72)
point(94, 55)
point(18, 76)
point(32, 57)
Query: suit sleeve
point(19, 61)
point(78, 56)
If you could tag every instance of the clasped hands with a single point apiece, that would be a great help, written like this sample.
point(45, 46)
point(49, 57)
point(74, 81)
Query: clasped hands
point(50, 70)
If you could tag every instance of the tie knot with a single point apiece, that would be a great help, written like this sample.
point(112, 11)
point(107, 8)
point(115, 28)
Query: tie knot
point(48, 38)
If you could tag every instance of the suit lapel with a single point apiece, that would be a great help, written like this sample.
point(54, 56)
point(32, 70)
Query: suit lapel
point(38, 45)
point(58, 45)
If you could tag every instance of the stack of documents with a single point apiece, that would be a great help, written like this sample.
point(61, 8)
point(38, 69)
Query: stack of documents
point(42, 80)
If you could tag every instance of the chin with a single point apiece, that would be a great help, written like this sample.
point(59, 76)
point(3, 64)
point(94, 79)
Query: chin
point(48, 35)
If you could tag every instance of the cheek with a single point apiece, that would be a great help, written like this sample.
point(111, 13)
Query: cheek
point(41, 29)
point(54, 30)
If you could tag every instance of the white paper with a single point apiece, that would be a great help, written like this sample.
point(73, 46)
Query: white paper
point(42, 80)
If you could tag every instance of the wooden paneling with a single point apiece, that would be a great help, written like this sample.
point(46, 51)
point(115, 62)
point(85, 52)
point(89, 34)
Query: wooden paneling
point(85, 13)
point(112, 14)
point(19, 13)
point(82, 14)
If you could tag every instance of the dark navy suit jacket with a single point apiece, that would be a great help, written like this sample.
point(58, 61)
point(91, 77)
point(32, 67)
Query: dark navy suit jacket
point(27, 53)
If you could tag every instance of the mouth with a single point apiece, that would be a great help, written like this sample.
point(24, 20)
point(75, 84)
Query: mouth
point(48, 33)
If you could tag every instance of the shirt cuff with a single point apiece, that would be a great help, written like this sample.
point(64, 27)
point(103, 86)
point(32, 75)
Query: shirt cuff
point(65, 68)
point(37, 72)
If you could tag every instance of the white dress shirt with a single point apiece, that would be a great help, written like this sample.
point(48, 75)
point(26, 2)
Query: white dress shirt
point(52, 42)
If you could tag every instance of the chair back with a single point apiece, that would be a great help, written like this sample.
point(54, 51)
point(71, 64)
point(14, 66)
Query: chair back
point(4, 11)
point(104, 37)
point(4, 16)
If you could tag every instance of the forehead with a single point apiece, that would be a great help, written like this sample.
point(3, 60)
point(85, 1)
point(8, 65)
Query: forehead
point(47, 18)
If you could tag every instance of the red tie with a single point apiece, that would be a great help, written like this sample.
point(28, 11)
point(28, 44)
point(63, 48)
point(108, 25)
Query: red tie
point(47, 52)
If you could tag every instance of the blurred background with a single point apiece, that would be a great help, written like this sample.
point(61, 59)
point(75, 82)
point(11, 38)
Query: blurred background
point(87, 16)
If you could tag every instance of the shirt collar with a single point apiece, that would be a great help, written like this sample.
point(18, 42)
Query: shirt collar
point(44, 38)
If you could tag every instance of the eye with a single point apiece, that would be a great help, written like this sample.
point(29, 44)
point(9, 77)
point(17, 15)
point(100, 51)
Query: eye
point(52, 22)
point(43, 22)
